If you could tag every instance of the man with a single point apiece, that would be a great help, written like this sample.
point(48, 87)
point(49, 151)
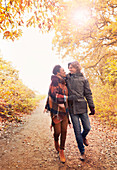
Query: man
point(78, 93)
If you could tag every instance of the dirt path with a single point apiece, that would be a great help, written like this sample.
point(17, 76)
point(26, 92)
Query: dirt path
point(30, 146)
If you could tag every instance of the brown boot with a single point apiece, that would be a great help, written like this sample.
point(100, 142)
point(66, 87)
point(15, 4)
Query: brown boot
point(85, 141)
point(57, 147)
point(62, 156)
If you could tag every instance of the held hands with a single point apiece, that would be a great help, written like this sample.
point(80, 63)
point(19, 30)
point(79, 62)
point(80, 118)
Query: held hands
point(92, 109)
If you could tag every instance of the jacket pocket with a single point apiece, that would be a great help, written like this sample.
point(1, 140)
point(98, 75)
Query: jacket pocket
point(81, 106)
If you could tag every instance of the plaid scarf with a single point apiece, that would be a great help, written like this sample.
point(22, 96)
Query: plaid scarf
point(56, 102)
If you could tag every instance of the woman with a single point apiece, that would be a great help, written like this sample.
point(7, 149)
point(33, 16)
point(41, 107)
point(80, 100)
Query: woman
point(79, 95)
point(58, 107)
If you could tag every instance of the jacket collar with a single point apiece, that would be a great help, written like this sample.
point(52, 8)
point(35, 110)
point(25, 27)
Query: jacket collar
point(75, 75)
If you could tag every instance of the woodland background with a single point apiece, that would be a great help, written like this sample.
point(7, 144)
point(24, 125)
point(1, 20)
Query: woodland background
point(92, 41)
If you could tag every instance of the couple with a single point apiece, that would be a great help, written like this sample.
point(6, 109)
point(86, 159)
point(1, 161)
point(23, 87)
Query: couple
point(67, 96)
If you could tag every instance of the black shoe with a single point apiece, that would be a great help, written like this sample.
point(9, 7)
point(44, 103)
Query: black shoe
point(82, 157)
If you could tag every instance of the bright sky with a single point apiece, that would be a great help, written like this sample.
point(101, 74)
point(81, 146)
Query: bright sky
point(32, 55)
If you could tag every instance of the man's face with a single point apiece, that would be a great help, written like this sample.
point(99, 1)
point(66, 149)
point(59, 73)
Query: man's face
point(62, 72)
point(72, 69)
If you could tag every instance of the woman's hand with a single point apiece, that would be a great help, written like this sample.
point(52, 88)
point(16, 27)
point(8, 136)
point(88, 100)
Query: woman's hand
point(45, 111)
point(51, 127)
point(70, 125)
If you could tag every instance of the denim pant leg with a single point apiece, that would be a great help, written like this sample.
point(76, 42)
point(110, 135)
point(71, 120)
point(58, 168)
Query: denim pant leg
point(77, 131)
point(86, 124)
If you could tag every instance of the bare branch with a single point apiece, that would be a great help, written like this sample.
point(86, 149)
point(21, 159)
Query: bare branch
point(112, 43)
point(96, 62)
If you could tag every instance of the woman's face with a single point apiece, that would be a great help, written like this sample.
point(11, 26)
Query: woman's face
point(62, 72)
point(72, 69)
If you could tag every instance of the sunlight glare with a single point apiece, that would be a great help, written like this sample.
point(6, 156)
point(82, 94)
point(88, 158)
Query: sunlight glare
point(81, 16)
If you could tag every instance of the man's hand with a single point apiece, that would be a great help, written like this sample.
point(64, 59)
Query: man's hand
point(92, 109)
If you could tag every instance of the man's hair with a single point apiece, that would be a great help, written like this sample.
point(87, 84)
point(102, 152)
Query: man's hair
point(76, 65)
point(56, 69)
point(69, 64)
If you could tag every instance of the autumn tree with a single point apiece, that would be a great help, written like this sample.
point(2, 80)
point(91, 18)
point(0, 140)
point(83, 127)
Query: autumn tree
point(15, 14)
point(15, 97)
point(87, 31)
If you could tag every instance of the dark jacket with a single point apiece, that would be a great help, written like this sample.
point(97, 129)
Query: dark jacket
point(79, 93)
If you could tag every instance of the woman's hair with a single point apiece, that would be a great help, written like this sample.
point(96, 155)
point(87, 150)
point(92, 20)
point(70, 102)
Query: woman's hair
point(56, 69)
point(76, 65)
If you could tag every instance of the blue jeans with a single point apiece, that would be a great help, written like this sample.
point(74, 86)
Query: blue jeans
point(77, 128)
